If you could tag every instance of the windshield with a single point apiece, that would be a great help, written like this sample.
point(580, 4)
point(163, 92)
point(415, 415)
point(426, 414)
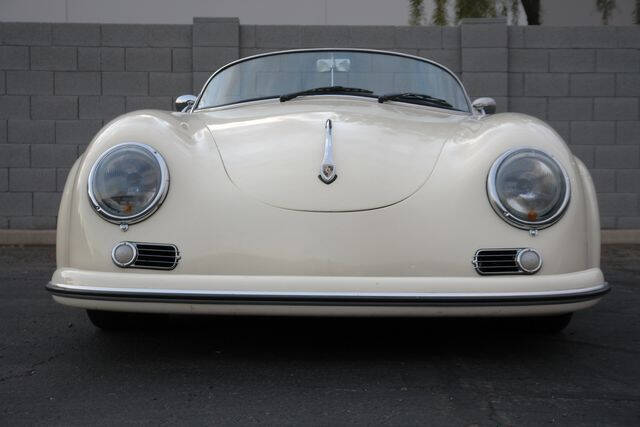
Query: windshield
point(284, 73)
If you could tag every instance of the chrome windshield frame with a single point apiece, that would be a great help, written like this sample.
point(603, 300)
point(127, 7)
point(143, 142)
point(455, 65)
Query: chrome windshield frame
point(281, 52)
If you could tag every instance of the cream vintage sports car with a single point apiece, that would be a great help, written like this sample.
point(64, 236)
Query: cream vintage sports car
point(329, 182)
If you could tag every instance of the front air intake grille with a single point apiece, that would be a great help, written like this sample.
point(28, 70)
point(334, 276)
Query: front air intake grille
point(155, 256)
point(497, 261)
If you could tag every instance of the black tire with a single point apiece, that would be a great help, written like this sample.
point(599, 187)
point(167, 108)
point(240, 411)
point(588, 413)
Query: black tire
point(547, 324)
point(115, 320)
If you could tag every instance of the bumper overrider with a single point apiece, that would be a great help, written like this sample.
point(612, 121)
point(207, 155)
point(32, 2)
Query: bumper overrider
point(133, 292)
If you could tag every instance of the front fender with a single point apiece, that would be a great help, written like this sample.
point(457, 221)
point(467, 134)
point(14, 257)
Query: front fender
point(592, 213)
point(64, 213)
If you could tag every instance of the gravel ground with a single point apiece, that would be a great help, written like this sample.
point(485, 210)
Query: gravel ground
point(55, 368)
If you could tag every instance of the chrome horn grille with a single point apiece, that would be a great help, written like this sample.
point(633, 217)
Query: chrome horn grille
point(154, 256)
point(507, 261)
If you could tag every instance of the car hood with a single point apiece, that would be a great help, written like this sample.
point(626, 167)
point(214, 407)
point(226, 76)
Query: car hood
point(383, 153)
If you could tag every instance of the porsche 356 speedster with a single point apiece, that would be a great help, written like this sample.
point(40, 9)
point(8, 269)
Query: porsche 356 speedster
point(329, 182)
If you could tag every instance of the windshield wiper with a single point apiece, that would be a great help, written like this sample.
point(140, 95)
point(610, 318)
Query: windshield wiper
point(324, 89)
point(409, 96)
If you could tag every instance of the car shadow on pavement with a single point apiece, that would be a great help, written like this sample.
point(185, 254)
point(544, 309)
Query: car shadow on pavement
point(340, 337)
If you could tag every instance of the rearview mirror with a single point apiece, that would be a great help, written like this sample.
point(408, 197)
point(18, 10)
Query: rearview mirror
point(484, 105)
point(184, 102)
point(335, 64)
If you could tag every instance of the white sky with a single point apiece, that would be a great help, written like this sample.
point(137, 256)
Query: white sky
point(278, 12)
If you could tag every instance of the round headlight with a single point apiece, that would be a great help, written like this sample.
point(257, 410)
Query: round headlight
point(128, 183)
point(528, 188)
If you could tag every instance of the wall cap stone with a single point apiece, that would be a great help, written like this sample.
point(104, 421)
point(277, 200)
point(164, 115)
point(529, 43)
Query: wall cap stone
point(202, 19)
point(483, 21)
point(27, 237)
point(611, 237)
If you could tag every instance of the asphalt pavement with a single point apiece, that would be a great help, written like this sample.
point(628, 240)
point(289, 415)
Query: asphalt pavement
point(57, 369)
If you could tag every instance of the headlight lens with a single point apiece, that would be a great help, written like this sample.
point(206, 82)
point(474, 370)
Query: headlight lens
point(528, 188)
point(128, 182)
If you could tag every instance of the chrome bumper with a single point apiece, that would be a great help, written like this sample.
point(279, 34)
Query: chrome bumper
point(416, 299)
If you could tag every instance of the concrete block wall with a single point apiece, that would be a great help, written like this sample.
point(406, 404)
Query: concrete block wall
point(60, 83)
point(585, 82)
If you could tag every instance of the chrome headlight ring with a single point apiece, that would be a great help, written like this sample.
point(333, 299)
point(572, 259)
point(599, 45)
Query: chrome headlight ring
point(151, 207)
point(509, 216)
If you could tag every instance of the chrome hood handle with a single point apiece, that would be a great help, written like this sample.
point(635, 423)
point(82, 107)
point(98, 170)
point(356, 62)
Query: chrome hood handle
point(328, 167)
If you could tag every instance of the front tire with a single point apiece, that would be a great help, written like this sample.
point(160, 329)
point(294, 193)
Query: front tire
point(547, 324)
point(115, 320)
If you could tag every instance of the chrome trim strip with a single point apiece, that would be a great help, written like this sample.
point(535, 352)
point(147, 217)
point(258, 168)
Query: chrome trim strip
point(155, 203)
point(502, 211)
point(328, 167)
point(329, 298)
